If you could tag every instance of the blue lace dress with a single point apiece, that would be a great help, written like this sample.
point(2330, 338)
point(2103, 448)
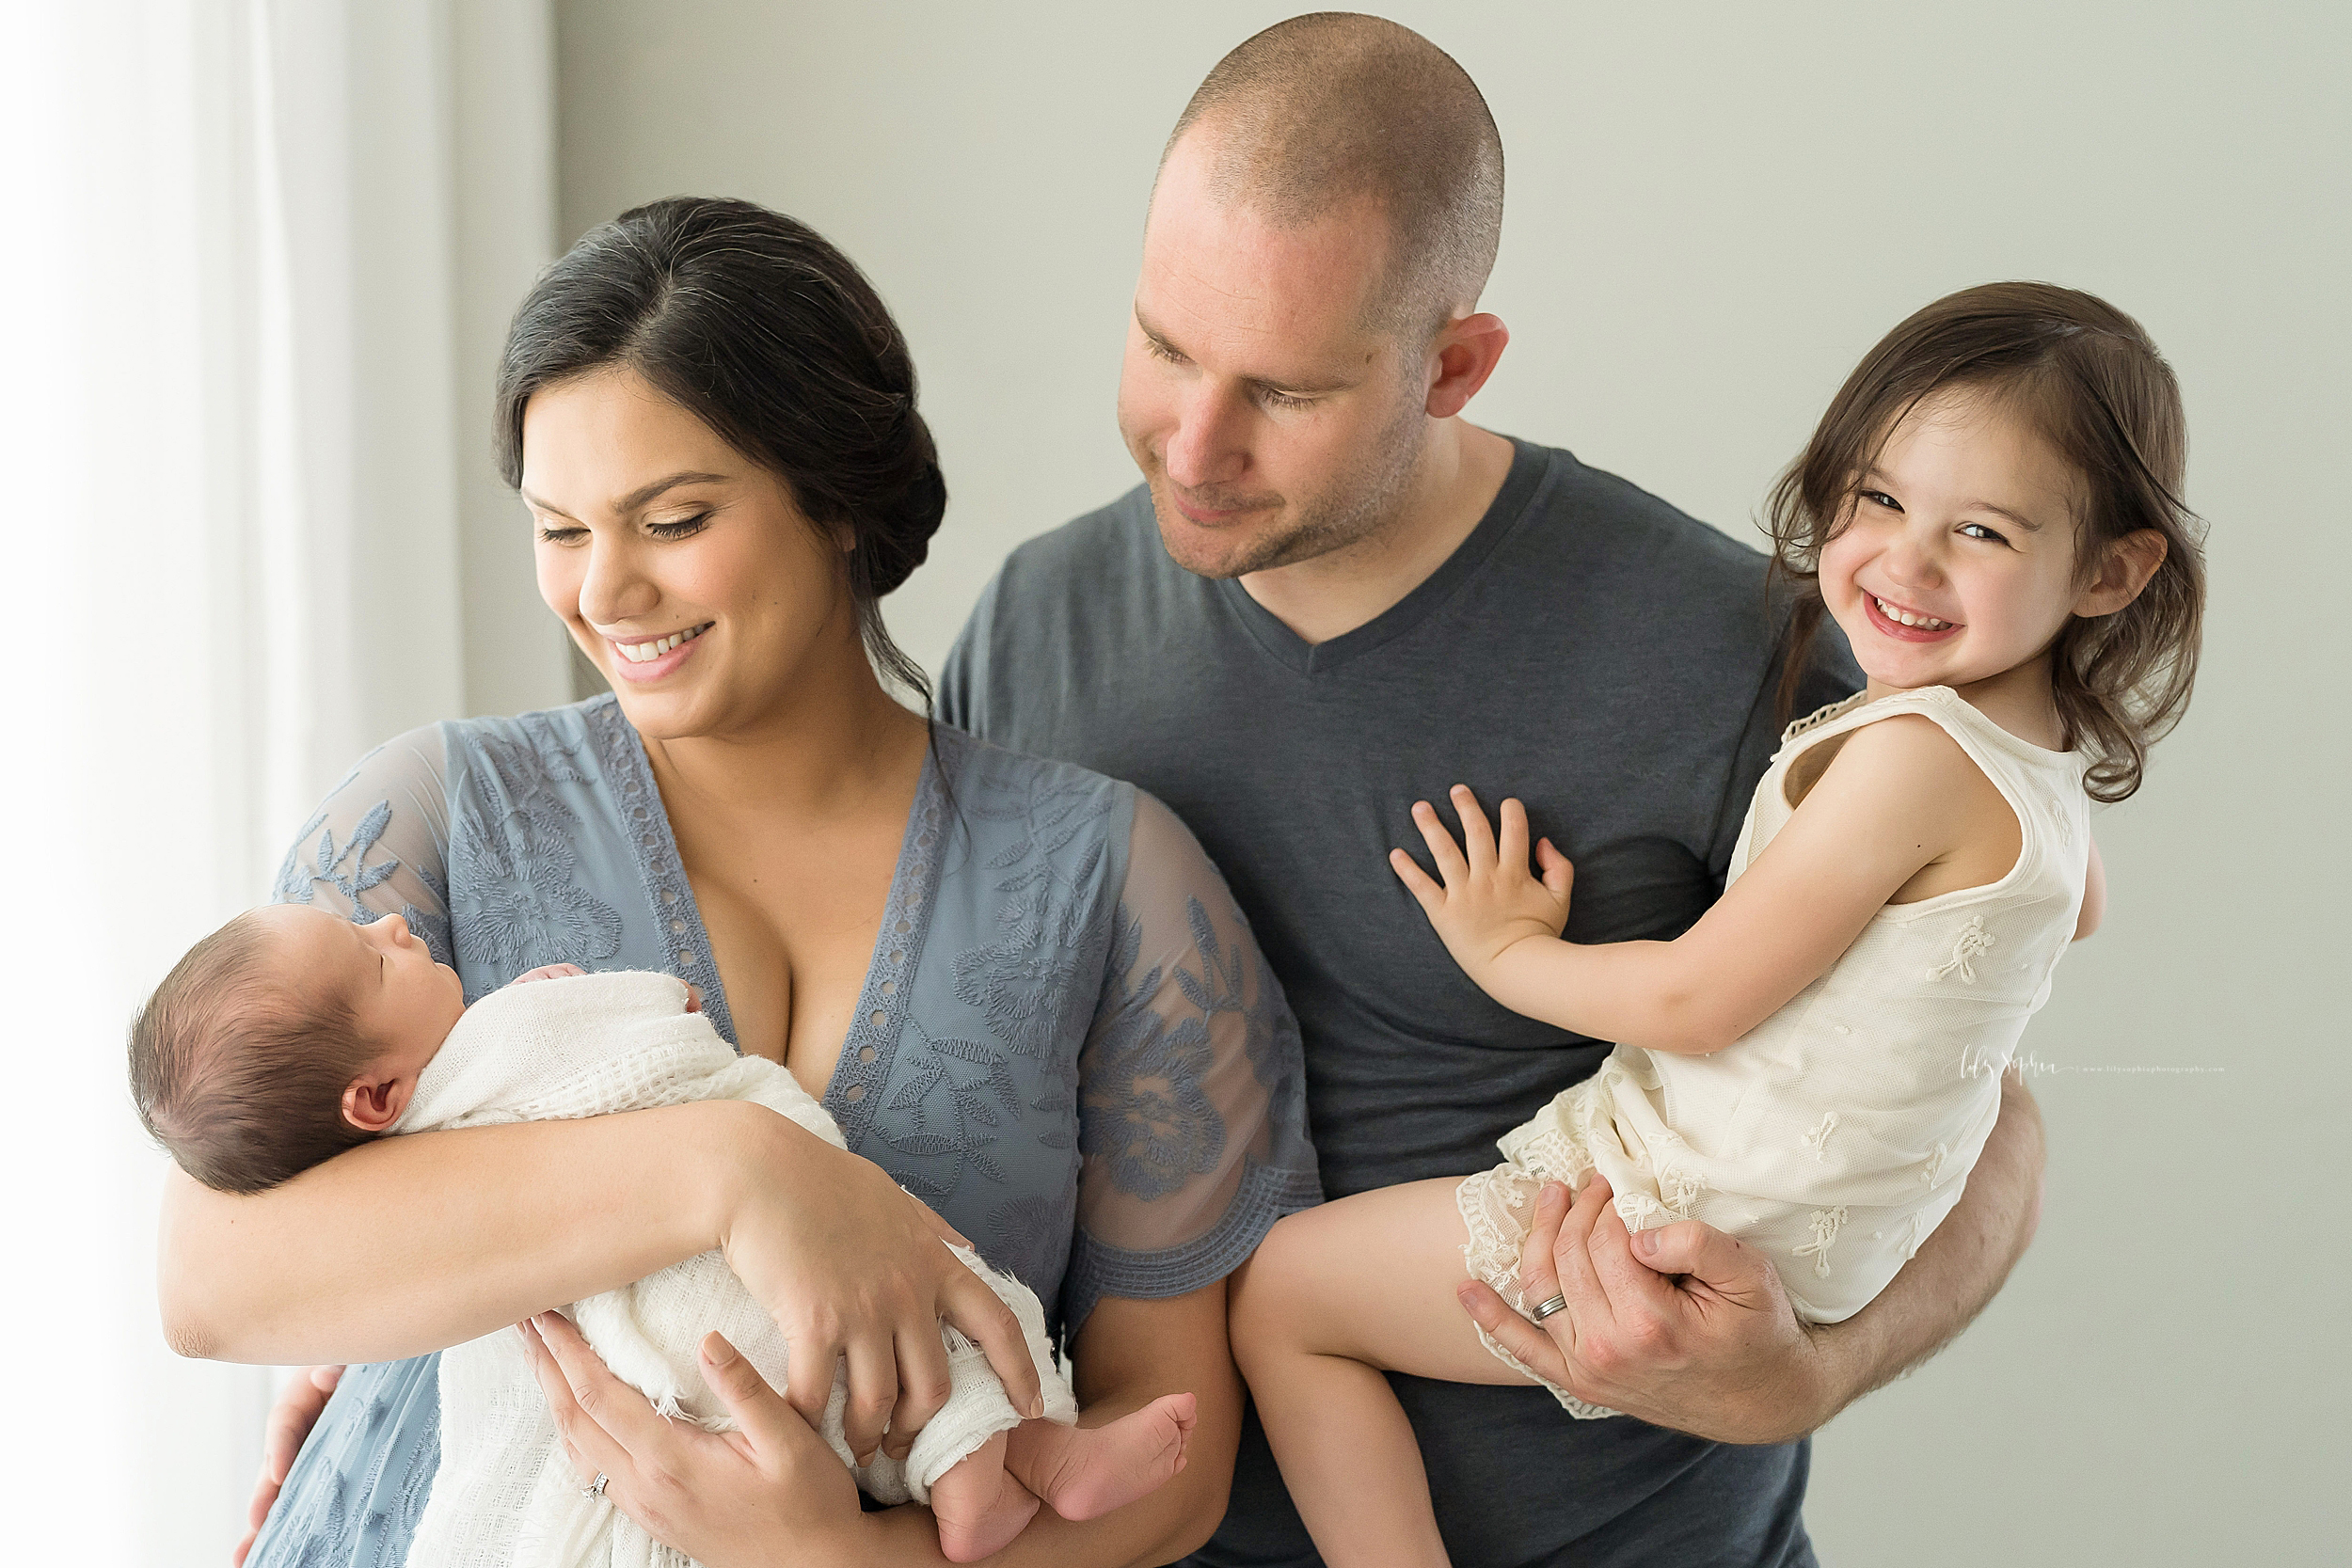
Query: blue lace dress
point(1067, 1042)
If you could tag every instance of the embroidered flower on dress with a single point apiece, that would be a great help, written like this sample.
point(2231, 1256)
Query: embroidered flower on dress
point(1975, 941)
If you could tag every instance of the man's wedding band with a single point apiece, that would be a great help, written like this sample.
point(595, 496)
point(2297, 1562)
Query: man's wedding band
point(594, 1489)
point(1545, 1309)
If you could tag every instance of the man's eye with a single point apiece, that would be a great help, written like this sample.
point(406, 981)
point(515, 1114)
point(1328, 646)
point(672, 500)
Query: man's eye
point(1159, 350)
point(1273, 398)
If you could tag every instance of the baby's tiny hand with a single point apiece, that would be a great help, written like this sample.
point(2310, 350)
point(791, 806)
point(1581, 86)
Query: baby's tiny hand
point(1489, 900)
point(547, 971)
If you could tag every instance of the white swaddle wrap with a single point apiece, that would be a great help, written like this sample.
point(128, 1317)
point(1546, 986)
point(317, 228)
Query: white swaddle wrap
point(555, 1050)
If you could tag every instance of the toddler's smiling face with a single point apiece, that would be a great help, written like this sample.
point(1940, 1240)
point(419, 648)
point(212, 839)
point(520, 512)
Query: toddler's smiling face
point(1957, 559)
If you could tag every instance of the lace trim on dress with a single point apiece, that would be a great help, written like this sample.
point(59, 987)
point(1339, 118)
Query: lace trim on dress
point(872, 1042)
point(629, 774)
point(1098, 1270)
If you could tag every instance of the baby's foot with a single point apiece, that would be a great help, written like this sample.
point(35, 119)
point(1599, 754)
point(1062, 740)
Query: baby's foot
point(979, 1506)
point(1109, 1466)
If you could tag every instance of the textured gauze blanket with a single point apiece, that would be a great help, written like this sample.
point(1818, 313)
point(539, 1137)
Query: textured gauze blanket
point(584, 1046)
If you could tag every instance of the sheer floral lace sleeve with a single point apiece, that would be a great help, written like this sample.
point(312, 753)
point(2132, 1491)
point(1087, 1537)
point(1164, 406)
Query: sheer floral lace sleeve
point(379, 844)
point(1191, 1095)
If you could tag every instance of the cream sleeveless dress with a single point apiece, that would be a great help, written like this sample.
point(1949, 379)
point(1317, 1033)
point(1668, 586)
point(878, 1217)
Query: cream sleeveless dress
point(1838, 1133)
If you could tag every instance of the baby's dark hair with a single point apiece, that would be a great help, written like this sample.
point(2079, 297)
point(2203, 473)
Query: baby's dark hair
point(2089, 381)
point(239, 1075)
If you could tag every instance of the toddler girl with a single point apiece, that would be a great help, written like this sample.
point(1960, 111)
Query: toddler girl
point(1990, 510)
point(292, 1034)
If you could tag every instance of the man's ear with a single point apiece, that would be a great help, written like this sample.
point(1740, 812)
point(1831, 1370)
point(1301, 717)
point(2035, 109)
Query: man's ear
point(375, 1098)
point(1462, 357)
point(2123, 572)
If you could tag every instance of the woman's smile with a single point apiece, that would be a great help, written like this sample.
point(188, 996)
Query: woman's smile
point(642, 660)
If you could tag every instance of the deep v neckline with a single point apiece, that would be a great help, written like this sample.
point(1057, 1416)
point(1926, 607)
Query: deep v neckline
point(863, 1065)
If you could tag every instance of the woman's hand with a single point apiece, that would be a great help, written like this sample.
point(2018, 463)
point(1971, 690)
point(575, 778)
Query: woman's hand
point(768, 1491)
point(1489, 900)
point(853, 1267)
point(290, 1422)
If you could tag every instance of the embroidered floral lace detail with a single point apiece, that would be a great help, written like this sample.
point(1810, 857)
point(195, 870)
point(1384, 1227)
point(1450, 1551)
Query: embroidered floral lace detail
point(1975, 941)
point(1817, 1140)
point(1826, 1224)
point(518, 899)
point(1498, 1209)
point(1932, 1168)
point(1144, 1112)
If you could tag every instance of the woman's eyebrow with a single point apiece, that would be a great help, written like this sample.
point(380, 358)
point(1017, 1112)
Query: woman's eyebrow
point(636, 497)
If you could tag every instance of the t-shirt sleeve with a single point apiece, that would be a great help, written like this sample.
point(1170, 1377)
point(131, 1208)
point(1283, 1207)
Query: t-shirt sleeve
point(959, 678)
point(1191, 1094)
point(379, 844)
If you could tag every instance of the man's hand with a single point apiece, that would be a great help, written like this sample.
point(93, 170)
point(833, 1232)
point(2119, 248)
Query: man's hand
point(1682, 1326)
point(1489, 900)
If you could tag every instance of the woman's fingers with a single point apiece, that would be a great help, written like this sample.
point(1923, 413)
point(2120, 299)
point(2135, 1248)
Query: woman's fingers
point(938, 1223)
point(291, 1419)
point(924, 1385)
point(1478, 837)
point(602, 1400)
point(759, 1411)
point(809, 1375)
point(988, 1323)
point(591, 1449)
point(1451, 866)
point(873, 1393)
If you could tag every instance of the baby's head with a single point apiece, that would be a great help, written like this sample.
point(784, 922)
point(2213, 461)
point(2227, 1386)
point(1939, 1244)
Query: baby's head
point(1996, 489)
point(285, 1037)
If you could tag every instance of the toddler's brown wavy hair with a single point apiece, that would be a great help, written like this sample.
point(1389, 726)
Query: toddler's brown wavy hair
point(2089, 381)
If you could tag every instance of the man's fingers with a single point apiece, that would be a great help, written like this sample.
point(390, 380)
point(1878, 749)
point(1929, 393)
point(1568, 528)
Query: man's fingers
point(1713, 1262)
point(1478, 836)
point(1589, 1305)
point(1539, 1276)
point(1452, 867)
point(873, 1394)
point(1531, 1344)
point(924, 1385)
point(988, 1323)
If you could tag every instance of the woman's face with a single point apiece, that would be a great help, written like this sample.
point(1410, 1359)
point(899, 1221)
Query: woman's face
point(683, 569)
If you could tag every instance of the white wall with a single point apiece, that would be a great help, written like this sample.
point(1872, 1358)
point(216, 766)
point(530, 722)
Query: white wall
point(1713, 210)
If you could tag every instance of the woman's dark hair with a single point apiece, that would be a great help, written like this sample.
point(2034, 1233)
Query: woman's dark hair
point(2087, 379)
point(752, 321)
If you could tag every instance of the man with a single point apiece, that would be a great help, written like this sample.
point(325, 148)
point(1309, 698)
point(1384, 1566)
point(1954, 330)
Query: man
point(1331, 597)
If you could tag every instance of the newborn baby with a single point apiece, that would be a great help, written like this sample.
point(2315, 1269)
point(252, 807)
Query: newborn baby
point(291, 1035)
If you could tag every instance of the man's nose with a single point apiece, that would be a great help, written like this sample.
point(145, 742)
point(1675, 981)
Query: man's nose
point(1204, 448)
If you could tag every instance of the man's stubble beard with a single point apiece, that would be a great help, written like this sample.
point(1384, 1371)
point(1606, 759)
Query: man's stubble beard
point(1365, 502)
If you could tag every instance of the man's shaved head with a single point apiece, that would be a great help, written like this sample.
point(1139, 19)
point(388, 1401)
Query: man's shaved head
point(1331, 109)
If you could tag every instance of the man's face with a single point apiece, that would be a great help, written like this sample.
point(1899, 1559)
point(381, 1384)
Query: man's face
point(1271, 423)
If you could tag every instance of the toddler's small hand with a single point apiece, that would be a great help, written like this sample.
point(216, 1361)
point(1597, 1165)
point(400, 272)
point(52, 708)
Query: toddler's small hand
point(1489, 899)
point(547, 971)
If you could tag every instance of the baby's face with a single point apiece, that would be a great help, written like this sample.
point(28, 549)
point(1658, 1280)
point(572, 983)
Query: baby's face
point(402, 1000)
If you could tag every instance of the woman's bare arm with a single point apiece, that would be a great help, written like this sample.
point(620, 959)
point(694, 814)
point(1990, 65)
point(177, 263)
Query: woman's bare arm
point(419, 1243)
point(414, 1243)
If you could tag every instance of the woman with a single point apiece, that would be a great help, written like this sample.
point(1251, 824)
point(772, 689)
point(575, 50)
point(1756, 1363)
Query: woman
point(1019, 987)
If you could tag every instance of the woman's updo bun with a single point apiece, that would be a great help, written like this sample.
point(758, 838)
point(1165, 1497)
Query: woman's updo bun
point(752, 321)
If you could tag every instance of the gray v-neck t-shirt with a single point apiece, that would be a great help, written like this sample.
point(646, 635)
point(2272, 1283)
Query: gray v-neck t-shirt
point(1588, 649)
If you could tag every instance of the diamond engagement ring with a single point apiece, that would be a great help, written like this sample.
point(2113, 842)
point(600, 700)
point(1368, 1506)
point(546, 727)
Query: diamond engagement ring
point(594, 1489)
point(1545, 1309)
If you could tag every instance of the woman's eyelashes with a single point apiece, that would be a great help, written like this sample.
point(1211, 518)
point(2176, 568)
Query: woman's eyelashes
point(571, 533)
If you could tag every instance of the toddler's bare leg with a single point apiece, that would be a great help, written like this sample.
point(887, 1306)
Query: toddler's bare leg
point(1334, 1296)
point(978, 1505)
point(1085, 1472)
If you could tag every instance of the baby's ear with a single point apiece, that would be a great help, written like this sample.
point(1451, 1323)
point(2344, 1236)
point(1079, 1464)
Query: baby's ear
point(374, 1100)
